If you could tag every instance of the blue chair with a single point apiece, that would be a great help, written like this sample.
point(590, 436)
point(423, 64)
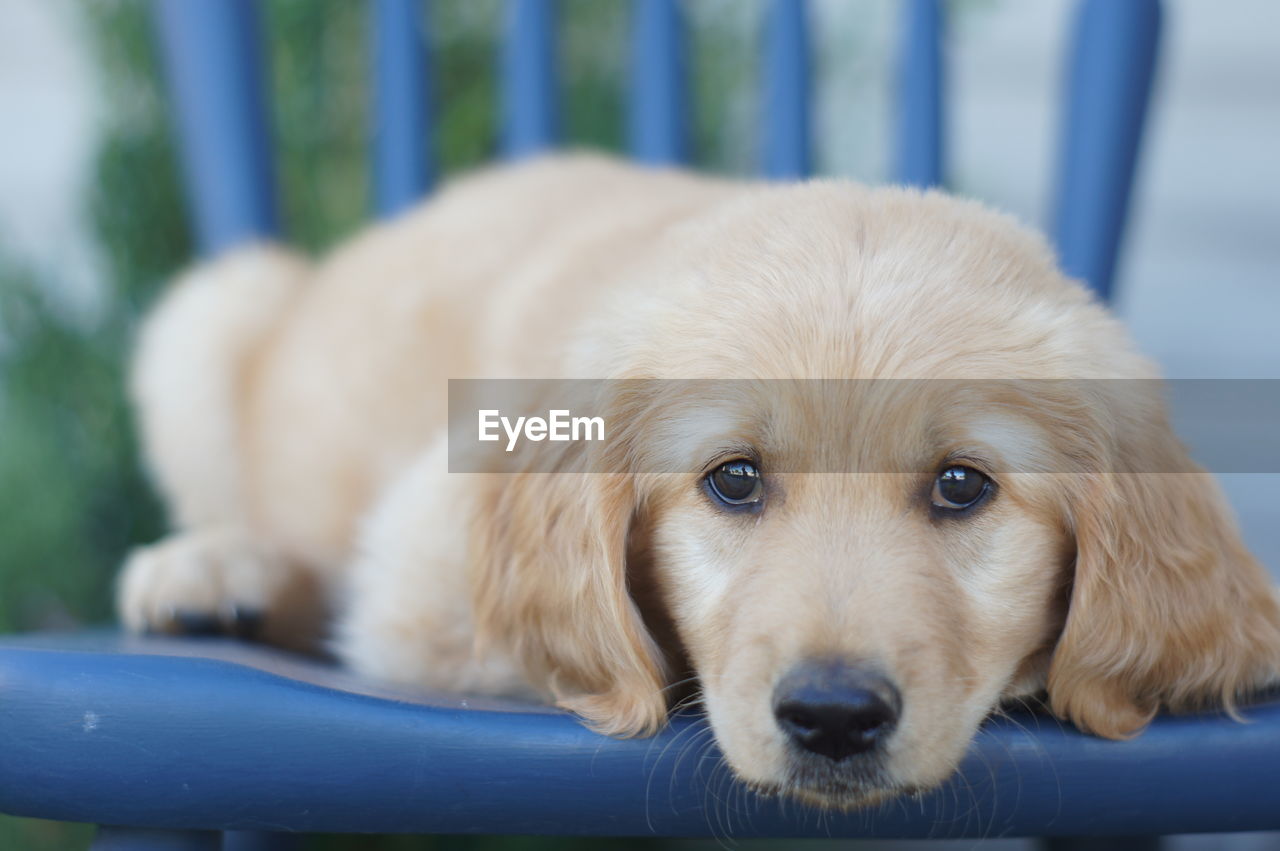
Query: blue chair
point(206, 743)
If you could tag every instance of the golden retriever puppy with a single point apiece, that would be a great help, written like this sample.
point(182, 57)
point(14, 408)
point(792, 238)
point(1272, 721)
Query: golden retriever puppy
point(882, 524)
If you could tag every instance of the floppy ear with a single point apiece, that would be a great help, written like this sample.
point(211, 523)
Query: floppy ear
point(1167, 608)
point(551, 584)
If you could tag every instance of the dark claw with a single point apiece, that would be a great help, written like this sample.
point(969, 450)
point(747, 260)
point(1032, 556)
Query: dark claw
point(246, 623)
point(197, 624)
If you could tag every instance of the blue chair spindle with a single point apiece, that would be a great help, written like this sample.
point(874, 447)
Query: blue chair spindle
point(212, 55)
point(659, 103)
point(920, 111)
point(400, 117)
point(530, 96)
point(1113, 58)
point(785, 118)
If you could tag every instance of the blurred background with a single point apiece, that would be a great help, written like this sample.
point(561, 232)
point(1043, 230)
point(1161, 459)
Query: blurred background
point(92, 218)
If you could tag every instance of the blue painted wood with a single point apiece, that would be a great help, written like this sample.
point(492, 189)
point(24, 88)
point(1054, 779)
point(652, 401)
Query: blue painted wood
point(1113, 58)
point(110, 838)
point(211, 54)
point(785, 119)
point(659, 101)
point(260, 840)
point(144, 839)
point(530, 86)
point(97, 728)
point(400, 114)
point(919, 138)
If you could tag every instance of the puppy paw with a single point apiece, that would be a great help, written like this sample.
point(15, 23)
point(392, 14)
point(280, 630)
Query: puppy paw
point(212, 582)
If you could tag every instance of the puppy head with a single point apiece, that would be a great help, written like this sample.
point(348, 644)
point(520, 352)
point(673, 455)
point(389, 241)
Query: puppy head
point(861, 571)
point(852, 629)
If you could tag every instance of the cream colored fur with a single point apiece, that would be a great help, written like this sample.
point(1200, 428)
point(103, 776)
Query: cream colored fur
point(293, 417)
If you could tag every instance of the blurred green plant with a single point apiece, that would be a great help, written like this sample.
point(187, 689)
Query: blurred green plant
point(74, 498)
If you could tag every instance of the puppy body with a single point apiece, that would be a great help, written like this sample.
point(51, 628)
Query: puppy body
point(294, 419)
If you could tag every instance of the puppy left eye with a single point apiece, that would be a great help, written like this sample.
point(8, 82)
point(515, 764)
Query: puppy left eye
point(736, 484)
point(957, 488)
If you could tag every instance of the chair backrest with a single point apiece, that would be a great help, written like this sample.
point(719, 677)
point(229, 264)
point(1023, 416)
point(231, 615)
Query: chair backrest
point(212, 59)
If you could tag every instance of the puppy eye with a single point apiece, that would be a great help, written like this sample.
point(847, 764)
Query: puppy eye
point(958, 488)
point(736, 484)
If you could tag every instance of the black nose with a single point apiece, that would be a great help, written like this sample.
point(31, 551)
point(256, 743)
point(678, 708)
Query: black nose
point(835, 709)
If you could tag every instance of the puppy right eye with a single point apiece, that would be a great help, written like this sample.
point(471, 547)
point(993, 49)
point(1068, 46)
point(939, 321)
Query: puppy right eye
point(958, 488)
point(736, 484)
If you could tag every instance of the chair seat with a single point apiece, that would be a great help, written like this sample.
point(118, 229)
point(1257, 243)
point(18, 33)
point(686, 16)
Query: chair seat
point(213, 734)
